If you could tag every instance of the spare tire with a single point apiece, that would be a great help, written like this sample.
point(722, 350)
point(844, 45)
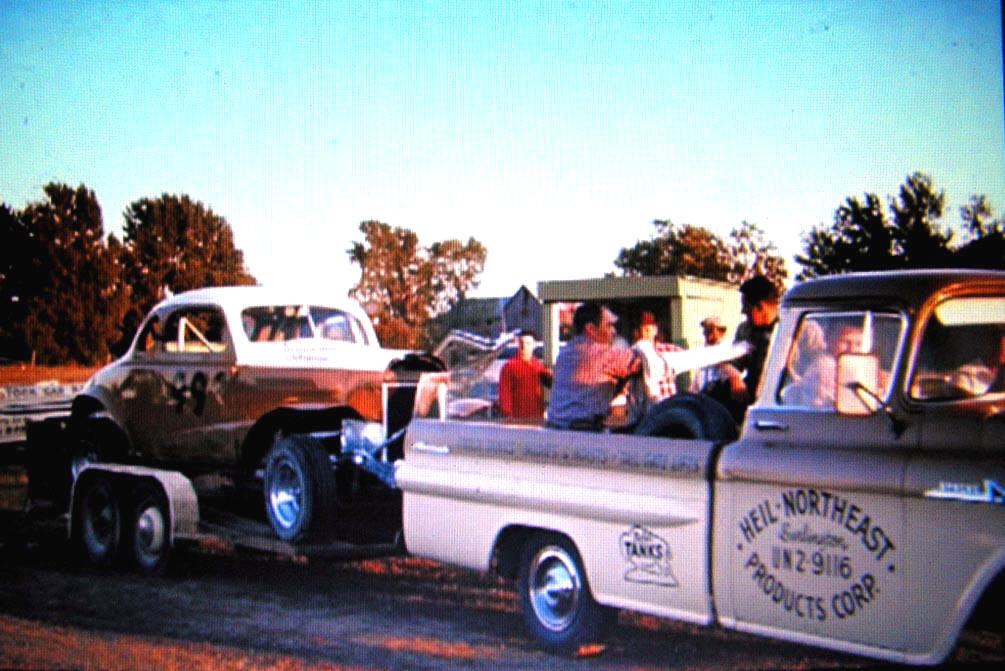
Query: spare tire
point(694, 416)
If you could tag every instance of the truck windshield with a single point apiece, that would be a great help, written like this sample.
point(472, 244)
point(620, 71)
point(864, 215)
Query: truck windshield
point(809, 380)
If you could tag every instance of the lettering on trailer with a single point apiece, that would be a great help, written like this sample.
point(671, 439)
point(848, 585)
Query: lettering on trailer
point(648, 557)
point(987, 492)
point(815, 554)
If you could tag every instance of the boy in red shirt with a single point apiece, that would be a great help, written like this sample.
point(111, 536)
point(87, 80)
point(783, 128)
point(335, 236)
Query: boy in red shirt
point(520, 395)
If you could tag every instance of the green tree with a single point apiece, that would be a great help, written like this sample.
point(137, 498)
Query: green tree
point(67, 285)
point(404, 284)
point(696, 251)
point(863, 237)
point(16, 253)
point(173, 243)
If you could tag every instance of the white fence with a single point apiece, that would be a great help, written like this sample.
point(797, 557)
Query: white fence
point(21, 403)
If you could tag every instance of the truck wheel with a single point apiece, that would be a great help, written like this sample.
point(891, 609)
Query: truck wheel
point(694, 416)
point(299, 488)
point(555, 599)
point(150, 546)
point(98, 522)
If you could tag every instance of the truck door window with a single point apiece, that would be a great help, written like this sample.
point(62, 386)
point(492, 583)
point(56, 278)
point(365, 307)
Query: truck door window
point(809, 379)
point(962, 352)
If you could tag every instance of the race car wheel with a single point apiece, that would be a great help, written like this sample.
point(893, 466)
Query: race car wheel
point(299, 488)
point(98, 522)
point(150, 540)
point(554, 596)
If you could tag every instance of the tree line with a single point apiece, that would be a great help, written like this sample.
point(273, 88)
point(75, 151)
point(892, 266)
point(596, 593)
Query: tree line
point(69, 293)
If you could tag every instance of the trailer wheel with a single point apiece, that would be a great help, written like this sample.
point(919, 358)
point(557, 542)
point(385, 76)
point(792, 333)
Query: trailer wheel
point(150, 546)
point(693, 416)
point(299, 488)
point(555, 599)
point(98, 522)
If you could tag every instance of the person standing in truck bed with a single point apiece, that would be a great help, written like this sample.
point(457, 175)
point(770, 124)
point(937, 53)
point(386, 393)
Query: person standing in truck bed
point(520, 381)
point(760, 298)
point(588, 371)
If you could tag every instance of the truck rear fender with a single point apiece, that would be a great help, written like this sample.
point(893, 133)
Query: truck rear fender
point(508, 547)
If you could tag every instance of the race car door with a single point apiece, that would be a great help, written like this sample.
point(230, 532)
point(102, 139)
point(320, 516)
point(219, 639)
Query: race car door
point(808, 536)
point(185, 368)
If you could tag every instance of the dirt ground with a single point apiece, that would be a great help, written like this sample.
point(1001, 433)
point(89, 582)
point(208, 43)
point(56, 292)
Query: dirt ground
point(220, 608)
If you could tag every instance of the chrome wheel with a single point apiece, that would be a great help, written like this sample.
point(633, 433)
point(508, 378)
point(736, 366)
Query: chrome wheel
point(554, 587)
point(286, 493)
point(150, 539)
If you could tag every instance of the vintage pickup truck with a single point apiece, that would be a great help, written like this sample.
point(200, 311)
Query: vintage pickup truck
point(862, 507)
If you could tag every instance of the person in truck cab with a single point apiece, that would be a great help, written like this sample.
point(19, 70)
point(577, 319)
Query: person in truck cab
point(589, 371)
point(816, 387)
point(760, 299)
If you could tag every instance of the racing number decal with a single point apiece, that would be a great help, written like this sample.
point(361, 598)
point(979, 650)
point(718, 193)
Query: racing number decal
point(194, 392)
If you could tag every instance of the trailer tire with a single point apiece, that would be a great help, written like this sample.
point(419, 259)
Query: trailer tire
point(555, 599)
point(98, 521)
point(693, 416)
point(299, 488)
point(149, 529)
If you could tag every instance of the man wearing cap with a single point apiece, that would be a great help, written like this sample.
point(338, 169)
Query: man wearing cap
point(588, 371)
point(714, 329)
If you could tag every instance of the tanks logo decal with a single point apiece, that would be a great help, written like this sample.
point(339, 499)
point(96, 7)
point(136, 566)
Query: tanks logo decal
point(648, 556)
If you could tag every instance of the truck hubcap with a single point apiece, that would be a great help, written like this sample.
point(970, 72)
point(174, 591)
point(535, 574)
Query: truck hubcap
point(554, 588)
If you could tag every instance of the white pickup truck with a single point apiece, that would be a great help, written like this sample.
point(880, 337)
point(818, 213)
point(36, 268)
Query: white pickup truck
point(861, 512)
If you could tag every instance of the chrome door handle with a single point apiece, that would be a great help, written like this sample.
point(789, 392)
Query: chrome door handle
point(764, 425)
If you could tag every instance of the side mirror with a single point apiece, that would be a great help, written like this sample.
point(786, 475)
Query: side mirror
point(857, 384)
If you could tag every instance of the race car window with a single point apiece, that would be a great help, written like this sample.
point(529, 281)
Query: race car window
point(962, 352)
point(809, 379)
point(150, 339)
point(280, 323)
point(335, 324)
point(195, 330)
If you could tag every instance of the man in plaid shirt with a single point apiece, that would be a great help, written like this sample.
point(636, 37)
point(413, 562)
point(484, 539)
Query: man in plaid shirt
point(588, 371)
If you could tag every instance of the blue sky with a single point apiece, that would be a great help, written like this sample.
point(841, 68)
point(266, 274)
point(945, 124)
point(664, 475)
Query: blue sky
point(554, 132)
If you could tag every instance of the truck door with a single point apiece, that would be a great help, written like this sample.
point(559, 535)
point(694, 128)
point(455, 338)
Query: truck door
point(809, 520)
point(955, 484)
